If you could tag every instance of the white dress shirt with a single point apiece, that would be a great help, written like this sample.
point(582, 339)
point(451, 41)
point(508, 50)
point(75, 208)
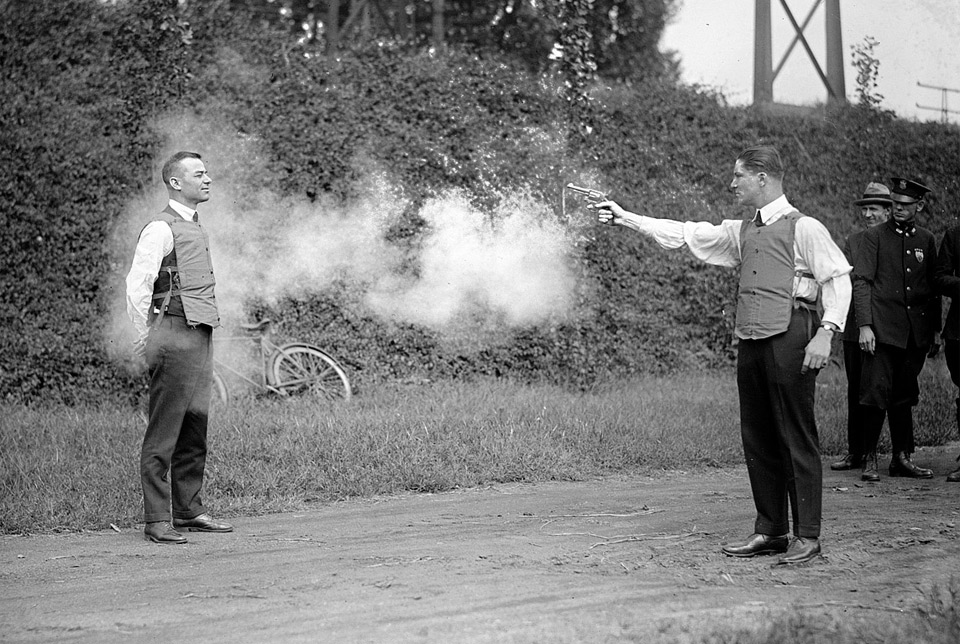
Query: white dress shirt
point(814, 252)
point(155, 243)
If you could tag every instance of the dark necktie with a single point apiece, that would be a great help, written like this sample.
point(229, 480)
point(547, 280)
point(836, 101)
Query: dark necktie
point(758, 220)
point(196, 219)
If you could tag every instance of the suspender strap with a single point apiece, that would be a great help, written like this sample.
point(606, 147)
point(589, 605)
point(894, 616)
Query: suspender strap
point(165, 297)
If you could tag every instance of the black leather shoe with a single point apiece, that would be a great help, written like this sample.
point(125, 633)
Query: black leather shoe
point(954, 476)
point(202, 523)
point(870, 470)
point(849, 462)
point(801, 551)
point(901, 465)
point(758, 544)
point(162, 532)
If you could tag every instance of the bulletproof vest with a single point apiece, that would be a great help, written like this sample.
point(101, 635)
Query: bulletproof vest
point(185, 284)
point(765, 299)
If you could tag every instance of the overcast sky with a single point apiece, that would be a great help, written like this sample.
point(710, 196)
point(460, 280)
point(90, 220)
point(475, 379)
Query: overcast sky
point(919, 41)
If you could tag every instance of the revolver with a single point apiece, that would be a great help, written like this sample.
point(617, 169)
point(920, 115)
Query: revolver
point(593, 196)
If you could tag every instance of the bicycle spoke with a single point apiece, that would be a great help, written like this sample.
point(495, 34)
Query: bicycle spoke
point(307, 369)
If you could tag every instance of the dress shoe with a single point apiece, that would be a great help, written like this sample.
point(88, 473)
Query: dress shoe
point(954, 476)
point(801, 550)
point(870, 471)
point(849, 462)
point(162, 532)
point(202, 523)
point(901, 465)
point(758, 544)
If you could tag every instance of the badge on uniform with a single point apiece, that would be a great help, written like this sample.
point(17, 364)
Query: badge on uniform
point(918, 253)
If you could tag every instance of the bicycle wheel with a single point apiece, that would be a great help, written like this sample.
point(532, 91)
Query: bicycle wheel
point(219, 394)
point(304, 368)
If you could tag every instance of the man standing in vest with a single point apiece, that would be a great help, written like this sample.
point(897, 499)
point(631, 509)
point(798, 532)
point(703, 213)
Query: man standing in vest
point(898, 312)
point(171, 302)
point(875, 206)
point(788, 265)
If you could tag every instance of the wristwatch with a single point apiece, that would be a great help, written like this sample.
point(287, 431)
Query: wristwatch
point(829, 327)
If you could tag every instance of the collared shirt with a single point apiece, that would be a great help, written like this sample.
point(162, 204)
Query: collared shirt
point(814, 252)
point(155, 243)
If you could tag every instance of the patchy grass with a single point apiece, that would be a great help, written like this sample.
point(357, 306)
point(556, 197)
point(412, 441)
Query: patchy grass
point(67, 468)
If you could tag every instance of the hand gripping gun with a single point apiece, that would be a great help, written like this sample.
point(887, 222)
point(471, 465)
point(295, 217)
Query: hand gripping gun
point(592, 196)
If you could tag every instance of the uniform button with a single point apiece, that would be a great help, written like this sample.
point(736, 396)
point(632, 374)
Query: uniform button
point(908, 270)
point(908, 288)
point(908, 252)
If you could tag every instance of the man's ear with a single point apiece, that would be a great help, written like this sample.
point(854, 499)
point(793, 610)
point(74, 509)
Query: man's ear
point(174, 183)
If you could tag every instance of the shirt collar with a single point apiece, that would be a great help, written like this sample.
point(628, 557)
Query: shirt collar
point(775, 210)
point(184, 211)
point(904, 230)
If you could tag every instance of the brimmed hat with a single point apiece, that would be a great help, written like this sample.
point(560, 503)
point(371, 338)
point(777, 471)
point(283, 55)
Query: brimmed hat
point(875, 193)
point(907, 191)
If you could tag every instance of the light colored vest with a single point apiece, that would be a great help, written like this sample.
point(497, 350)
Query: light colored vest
point(765, 299)
point(190, 271)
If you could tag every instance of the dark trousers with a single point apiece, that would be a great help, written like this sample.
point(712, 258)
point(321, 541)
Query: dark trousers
point(852, 364)
point(951, 351)
point(780, 440)
point(890, 384)
point(174, 453)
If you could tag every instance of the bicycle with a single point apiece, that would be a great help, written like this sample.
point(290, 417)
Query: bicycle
point(288, 369)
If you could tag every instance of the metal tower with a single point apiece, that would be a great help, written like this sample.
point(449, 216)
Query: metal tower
point(763, 71)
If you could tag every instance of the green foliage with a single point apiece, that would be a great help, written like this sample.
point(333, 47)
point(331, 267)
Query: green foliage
point(81, 80)
point(621, 36)
point(85, 80)
point(76, 468)
point(868, 69)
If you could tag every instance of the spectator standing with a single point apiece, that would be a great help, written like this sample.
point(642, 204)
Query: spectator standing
point(898, 314)
point(874, 209)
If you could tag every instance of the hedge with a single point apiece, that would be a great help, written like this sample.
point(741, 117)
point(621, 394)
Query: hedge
point(86, 84)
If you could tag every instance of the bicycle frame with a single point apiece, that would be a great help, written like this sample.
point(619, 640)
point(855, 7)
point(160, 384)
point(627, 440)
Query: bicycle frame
point(265, 349)
point(286, 369)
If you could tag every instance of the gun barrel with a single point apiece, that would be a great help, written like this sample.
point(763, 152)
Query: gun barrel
point(594, 195)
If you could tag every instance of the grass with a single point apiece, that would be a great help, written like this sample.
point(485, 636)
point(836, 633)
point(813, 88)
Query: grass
point(77, 468)
point(936, 621)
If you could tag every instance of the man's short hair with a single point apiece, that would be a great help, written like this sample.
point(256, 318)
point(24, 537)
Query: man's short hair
point(762, 158)
point(170, 167)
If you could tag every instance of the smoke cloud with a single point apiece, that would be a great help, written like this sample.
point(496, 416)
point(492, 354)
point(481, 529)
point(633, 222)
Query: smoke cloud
point(473, 268)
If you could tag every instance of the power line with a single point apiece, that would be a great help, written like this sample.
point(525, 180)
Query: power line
point(943, 109)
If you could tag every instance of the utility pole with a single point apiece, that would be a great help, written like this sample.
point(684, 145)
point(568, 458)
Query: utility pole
point(944, 110)
point(763, 71)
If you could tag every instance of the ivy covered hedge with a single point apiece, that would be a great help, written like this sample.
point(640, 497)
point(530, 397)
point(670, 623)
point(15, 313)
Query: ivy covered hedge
point(85, 81)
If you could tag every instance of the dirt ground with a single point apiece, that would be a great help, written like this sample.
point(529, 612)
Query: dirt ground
point(618, 559)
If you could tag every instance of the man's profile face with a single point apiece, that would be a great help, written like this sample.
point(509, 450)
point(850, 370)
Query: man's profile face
point(746, 186)
point(873, 214)
point(191, 181)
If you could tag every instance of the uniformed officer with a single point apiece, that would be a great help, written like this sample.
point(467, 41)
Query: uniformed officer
point(898, 314)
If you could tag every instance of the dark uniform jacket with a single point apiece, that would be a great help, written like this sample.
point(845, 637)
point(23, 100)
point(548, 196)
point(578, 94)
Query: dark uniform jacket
point(893, 284)
point(948, 280)
point(851, 332)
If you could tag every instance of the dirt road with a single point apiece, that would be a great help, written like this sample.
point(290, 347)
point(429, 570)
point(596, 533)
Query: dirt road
point(619, 559)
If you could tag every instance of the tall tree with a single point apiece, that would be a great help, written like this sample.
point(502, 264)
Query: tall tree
point(625, 34)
